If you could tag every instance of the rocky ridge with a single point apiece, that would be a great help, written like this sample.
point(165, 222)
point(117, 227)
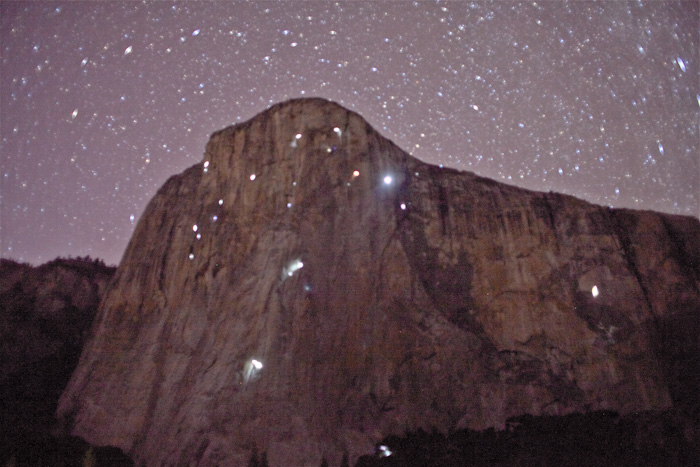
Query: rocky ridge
point(309, 288)
point(45, 316)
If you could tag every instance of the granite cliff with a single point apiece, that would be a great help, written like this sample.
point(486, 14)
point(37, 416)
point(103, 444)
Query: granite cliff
point(309, 288)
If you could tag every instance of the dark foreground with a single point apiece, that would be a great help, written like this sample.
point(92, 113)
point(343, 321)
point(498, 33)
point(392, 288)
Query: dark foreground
point(46, 313)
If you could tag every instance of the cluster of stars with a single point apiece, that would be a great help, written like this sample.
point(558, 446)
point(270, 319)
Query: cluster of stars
point(103, 101)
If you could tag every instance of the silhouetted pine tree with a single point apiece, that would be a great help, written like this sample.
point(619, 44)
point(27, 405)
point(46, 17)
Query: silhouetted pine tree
point(253, 462)
point(89, 459)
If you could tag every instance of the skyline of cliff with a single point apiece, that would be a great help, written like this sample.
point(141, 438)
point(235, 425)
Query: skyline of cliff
point(599, 100)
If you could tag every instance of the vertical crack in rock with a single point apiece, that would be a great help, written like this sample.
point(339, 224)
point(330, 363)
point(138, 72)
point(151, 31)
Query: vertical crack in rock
point(681, 250)
point(628, 252)
point(443, 207)
point(164, 256)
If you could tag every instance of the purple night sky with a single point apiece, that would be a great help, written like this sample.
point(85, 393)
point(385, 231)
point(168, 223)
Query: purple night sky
point(100, 102)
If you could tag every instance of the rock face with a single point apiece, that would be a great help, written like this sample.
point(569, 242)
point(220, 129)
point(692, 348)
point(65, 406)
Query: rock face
point(45, 316)
point(310, 288)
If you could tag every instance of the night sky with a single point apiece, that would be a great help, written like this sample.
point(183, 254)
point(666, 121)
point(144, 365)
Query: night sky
point(101, 102)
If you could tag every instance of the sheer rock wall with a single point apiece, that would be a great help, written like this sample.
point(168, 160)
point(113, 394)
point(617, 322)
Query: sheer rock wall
point(285, 296)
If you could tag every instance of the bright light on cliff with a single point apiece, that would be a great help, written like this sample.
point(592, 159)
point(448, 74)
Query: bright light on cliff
point(356, 173)
point(251, 370)
point(337, 131)
point(194, 227)
point(403, 206)
point(294, 266)
point(291, 268)
point(252, 177)
point(594, 291)
point(384, 451)
point(388, 180)
point(298, 136)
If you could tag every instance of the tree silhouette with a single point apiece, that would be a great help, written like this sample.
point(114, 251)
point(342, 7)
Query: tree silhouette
point(253, 462)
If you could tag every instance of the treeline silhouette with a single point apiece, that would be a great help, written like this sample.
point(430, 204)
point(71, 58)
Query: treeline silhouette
point(601, 438)
point(595, 439)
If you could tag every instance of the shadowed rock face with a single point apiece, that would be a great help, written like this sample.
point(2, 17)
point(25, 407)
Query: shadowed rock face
point(45, 315)
point(310, 288)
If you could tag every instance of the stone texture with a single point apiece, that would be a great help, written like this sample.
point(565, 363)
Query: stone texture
point(439, 300)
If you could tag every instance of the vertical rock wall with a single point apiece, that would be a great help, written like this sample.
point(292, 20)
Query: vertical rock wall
point(310, 288)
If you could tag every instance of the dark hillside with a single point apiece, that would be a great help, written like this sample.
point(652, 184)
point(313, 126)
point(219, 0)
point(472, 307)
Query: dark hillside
point(45, 316)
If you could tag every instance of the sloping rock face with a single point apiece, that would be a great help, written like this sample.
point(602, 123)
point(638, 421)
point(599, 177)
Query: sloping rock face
point(310, 288)
point(45, 316)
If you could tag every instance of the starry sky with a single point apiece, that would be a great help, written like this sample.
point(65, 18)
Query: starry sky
point(101, 102)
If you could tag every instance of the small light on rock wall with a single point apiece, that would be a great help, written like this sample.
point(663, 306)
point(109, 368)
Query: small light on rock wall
point(384, 451)
point(295, 266)
point(388, 180)
point(252, 370)
point(291, 268)
point(594, 291)
point(252, 177)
